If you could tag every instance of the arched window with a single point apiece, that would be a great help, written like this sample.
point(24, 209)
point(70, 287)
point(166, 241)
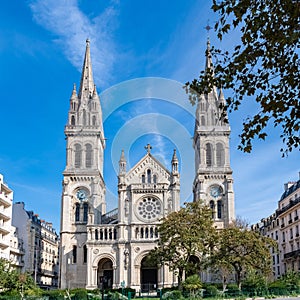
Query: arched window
point(148, 176)
point(84, 254)
point(94, 121)
point(143, 178)
point(208, 154)
point(85, 212)
point(220, 155)
point(74, 254)
point(84, 117)
point(77, 212)
point(219, 209)
point(154, 179)
point(78, 156)
point(202, 120)
point(212, 207)
point(73, 120)
point(88, 155)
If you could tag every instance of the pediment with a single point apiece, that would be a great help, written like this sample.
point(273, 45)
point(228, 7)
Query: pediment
point(148, 162)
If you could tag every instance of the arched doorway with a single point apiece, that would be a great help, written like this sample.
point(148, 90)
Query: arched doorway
point(193, 266)
point(105, 274)
point(148, 276)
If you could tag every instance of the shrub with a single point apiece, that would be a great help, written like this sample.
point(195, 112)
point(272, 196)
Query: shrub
point(211, 291)
point(80, 294)
point(233, 290)
point(172, 295)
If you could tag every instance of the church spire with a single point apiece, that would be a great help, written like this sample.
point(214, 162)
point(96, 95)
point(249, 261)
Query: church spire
point(122, 163)
point(208, 63)
point(174, 163)
point(87, 82)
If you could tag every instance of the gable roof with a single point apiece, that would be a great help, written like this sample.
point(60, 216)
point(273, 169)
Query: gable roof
point(144, 163)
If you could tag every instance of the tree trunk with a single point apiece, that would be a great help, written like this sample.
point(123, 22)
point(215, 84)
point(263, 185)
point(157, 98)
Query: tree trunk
point(238, 279)
point(180, 275)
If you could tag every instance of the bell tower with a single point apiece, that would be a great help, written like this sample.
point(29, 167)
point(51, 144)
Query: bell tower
point(213, 181)
point(83, 196)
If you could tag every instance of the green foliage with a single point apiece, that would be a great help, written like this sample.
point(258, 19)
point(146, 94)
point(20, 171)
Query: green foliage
point(291, 280)
point(254, 283)
point(172, 295)
point(242, 250)
point(210, 290)
point(14, 283)
point(54, 294)
point(80, 294)
point(254, 280)
point(192, 283)
point(233, 291)
point(264, 66)
point(183, 234)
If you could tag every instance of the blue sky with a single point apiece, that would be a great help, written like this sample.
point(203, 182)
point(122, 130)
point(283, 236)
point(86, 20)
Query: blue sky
point(142, 53)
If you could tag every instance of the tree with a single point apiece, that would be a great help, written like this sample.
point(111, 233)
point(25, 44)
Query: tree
point(184, 234)
point(242, 250)
point(264, 66)
point(254, 283)
point(11, 281)
point(192, 284)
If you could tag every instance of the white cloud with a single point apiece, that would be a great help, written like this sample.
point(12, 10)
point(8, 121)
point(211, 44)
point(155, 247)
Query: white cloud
point(71, 27)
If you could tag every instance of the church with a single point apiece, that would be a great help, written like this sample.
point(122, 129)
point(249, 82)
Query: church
point(101, 249)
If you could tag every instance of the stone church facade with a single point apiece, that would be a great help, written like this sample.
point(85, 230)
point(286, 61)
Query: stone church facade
point(102, 249)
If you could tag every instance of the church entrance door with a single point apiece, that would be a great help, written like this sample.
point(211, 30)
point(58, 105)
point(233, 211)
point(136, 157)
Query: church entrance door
point(148, 276)
point(105, 274)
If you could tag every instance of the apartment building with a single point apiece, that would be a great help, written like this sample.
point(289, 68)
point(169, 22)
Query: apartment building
point(40, 243)
point(6, 198)
point(283, 226)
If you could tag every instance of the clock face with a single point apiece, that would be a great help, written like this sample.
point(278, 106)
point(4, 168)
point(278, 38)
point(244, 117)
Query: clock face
point(81, 195)
point(215, 191)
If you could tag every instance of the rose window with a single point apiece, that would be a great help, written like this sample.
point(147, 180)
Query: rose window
point(149, 208)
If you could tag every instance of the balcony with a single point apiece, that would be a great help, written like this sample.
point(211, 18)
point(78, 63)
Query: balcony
point(4, 229)
point(4, 200)
point(145, 232)
point(287, 207)
point(4, 244)
point(109, 233)
point(292, 254)
point(103, 233)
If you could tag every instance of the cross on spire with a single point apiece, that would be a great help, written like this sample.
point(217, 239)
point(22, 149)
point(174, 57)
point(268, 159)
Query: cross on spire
point(208, 27)
point(148, 148)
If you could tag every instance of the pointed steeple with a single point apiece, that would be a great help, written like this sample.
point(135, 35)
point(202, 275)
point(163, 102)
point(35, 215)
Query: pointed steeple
point(208, 63)
point(221, 97)
point(95, 94)
point(174, 157)
point(174, 163)
point(122, 163)
point(74, 93)
point(87, 82)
